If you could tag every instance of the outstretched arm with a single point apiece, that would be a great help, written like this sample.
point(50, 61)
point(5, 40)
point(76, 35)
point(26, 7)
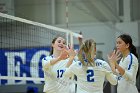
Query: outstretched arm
point(47, 61)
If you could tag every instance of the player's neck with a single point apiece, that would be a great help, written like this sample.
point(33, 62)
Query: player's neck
point(56, 53)
point(125, 53)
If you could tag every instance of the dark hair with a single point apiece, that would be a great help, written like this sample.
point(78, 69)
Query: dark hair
point(53, 41)
point(128, 40)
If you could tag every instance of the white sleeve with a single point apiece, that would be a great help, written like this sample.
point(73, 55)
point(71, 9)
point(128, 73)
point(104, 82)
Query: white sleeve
point(132, 71)
point(70, 71)
point(111, 78)
point(109, 74)
point(46, 63)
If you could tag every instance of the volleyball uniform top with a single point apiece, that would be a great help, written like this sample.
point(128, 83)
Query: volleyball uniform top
point(90, 79)
point(126, 83)
point(52, 74)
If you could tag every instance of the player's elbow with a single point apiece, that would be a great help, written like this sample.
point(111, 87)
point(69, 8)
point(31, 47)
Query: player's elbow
point(113, 82)
point(112, 79)
point(128, 76)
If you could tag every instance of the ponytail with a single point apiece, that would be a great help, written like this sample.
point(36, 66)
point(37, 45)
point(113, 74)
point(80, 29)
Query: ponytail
point(53, 41)
point(51, 52)
point(133, 50)
point(85, 52)
point(138, 72)
point(80, 55)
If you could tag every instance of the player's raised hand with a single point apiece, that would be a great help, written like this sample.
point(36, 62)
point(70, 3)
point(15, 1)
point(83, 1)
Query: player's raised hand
point(113, 57)
point(64, 55)
point(71, 51)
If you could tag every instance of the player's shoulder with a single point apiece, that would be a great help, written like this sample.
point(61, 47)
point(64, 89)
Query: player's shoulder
point(132, 57)
point(77, 63)
point(103, 64)
point(47, 58)
point(100, 62)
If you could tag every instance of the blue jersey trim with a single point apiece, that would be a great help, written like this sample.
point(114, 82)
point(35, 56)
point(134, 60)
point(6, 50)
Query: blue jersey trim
point(46, 59)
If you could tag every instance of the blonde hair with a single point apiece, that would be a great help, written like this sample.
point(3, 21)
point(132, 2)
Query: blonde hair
point(85, 51)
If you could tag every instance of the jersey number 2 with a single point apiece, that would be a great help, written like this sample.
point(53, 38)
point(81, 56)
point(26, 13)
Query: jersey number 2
point(60, 73)
point(90, 75)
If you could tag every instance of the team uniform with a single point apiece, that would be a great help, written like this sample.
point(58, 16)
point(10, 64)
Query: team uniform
point(52, 75)
point(90, 79)
point(127, 82)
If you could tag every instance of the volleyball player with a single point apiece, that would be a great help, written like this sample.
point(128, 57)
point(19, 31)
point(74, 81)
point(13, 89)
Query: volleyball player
point(54, 66)
point(128, 65)
point(90, 71)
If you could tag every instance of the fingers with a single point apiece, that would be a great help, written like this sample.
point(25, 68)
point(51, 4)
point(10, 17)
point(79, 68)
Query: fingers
point(70, 46)
point(114, 56)
point(118, 54)
point(119, 58)
point(114, 53)
point(70, 51)
point(64, 54)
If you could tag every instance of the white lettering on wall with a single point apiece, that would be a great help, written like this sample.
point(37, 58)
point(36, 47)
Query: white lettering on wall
point(11, 64)
point(35, 64)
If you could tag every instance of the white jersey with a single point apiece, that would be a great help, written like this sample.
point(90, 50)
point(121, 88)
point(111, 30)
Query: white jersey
point(52, 74)
point(90, 79)
point(127, 82)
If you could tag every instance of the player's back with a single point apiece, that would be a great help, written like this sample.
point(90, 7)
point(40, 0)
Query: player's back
point(90, 79)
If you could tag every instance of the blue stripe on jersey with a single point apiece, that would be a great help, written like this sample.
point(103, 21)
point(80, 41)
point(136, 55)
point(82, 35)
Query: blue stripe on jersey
point(44, 58)
point(131, 58)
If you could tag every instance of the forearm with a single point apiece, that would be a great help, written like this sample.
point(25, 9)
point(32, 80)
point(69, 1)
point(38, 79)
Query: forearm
point(68, 73)
point(112, 78)
point(70, 62)
point(112, 66)
point(120, 69)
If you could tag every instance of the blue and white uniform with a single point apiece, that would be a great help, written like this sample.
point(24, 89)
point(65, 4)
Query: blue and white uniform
point(52, 74)
point(127, 82)
point(90, 79)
